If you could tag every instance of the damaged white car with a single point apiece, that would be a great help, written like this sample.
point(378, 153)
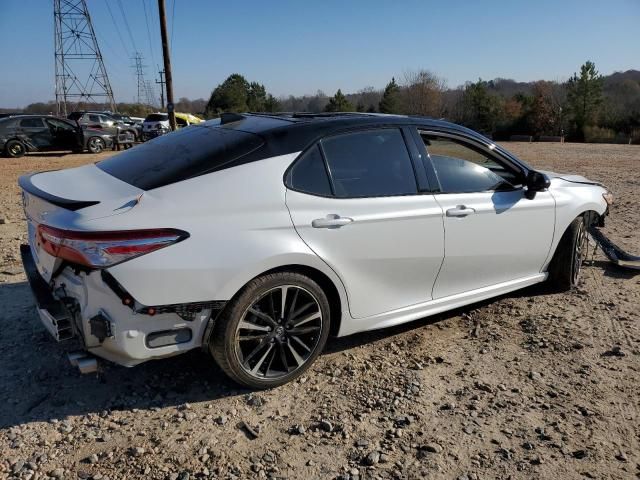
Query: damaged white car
point(257, 236)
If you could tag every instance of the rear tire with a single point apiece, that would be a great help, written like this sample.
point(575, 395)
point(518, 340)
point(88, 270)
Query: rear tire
point(15, 149)
point(272, 331)
point(96, 145)
point(565, 267)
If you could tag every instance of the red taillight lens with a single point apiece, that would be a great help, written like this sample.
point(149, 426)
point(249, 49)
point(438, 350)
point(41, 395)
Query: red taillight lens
point(104, 249)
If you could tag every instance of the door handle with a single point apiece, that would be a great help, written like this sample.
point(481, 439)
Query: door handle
point(331, 221)
point(460, 211)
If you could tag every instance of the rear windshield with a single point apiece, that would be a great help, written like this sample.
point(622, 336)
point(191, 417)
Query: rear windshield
point(157, 117)
point(180, 155)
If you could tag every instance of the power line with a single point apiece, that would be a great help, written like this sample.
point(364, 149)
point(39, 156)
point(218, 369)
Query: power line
point(126, 24)
point(173, 23)
point(115, 24)
point(146, 18)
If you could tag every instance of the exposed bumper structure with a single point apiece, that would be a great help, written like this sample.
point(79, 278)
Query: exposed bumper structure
point(613, 252)
point(82, 305)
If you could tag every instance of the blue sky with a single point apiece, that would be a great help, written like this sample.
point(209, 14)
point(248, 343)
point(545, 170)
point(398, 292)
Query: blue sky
point(301, 46)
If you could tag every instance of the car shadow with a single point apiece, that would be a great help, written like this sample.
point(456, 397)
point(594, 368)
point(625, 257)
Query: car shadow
point(37, 383)
point(614, 271)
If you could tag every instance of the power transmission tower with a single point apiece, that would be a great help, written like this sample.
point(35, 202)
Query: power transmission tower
point(161, 82)
point(80, 72)
point(150, 96)
point(142, 85)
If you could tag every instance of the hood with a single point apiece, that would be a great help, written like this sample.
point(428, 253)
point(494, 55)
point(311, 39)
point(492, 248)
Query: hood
point(571, 178)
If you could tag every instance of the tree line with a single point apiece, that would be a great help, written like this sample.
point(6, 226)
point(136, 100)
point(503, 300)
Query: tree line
point(587, 107)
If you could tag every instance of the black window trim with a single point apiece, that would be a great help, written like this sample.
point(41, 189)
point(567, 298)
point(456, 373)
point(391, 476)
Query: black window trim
point(416, 164)
point(42, 123)
point(471, 143)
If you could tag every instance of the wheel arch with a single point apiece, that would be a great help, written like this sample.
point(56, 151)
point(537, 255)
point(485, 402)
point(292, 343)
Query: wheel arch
point(336, 299)
point(592, 217)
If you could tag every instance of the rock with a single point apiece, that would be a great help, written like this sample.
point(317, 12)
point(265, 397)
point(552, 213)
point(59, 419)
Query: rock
point(57, 473)
point(621, 457)
point(252, 432)
point(137, 451)
point(92, 459)
point(614, 352)
point(432, 448)
point(221, 420)
point(269, 457)
point(580, 454)
point(528, 446)
point(297, 430)
point(535, 375)
point(4, 221)
point(326, 425)
point(372, 458)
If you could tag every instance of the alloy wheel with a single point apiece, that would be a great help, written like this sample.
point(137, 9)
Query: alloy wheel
point(96, 145)
point(16, 149)
point(279, 332)
point(579, 251)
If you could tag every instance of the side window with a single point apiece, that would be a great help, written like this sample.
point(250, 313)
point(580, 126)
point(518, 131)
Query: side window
point(463, 169)
point(370, 163)
point(309, 174)
point(31, 123)
point(59, 125)
point(94, 118)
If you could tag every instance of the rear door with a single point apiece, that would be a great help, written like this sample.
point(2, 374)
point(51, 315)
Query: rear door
point(493, 232)
point(355, 201)
point(37, 132)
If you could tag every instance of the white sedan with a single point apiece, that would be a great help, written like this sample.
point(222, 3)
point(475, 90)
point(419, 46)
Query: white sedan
point(257, 237)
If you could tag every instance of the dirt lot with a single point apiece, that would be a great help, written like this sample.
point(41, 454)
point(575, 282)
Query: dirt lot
point(529, 386)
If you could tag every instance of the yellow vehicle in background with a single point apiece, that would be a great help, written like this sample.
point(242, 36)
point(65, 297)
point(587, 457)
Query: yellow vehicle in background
point(157, 124)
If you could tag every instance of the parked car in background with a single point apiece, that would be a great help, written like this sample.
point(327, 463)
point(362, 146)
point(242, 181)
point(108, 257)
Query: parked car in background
point(104, 121)
point(157, 124)
point(256, 236)
point(36, 133)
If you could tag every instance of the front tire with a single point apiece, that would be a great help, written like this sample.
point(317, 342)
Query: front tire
point(96, 145)
point(566, 265)
point(272, 331)
point(15, 149)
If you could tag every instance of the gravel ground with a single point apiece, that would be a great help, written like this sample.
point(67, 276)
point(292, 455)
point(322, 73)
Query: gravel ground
point(532, 385)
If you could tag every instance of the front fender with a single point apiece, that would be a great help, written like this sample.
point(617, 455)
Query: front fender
point(573, 200)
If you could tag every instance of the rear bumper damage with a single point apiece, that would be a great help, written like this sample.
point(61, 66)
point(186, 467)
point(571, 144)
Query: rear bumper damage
point(92, 307)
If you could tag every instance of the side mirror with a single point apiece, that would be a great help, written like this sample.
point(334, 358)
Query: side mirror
point(536, 182)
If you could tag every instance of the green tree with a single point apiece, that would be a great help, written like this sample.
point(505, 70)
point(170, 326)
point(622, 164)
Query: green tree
point(230, 96)
point(584, 95)
point(339, 103)
point(390, 102)
point(271, 104)
point(256, 97)
point(481, 110)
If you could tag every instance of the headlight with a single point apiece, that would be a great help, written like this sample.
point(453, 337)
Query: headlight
point(608, 197)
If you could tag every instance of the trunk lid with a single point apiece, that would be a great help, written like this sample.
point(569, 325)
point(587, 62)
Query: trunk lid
point(68, 199)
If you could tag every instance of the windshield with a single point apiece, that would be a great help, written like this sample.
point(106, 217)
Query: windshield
point(157, 117)
point(180, 155)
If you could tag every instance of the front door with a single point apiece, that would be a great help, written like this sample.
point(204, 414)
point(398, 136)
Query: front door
point(65, 136)
point(493, 232)
point(354, 201)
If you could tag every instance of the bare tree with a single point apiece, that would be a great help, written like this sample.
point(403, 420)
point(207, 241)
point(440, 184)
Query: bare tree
point(423, 93)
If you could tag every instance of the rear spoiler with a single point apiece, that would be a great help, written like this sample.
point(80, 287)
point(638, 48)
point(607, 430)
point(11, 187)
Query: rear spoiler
point(27, 185)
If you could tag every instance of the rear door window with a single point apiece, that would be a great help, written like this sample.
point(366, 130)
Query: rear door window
point(31, 123)
point(181, 155)
point(371, 163)
point(309, 174)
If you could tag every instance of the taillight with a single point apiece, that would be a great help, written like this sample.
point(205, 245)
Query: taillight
point(104, 249)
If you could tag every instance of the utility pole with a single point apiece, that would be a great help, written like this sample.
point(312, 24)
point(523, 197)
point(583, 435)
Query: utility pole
point(161, 82)
point(167, 64)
